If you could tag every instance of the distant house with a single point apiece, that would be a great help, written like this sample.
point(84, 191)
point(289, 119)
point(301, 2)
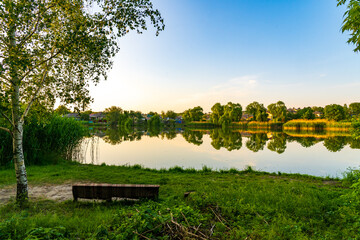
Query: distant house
point(318, 114)
point(247, 116)
point(97, 116)
point(179, 119)
point(73, 115)
point(269, 116)
point(293, 110)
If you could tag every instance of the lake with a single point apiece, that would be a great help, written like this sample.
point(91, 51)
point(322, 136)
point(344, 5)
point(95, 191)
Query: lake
point(318, 154)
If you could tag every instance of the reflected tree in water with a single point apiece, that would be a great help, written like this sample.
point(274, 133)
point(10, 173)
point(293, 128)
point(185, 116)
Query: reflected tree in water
point(256, 142)
point(277, 143)
point(113, 136)
point(224, 137)
point(170, 134)
point(335, 144)
point(194, 137)
point(153, 131)
point(353, 142)
point(116, 136)
point(306, 141)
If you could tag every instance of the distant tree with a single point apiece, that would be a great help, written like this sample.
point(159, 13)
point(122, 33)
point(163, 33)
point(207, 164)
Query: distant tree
point(152, 113)
point(171, 114)
point(113, 115)
point(233, 111)
point(318, 109)
point(163, 114)
point(62, 110)
point(354, 108)
point(85, 115)
point(193, 114)
point(217, 112)
point(334, 112)
point(258, 111)
point(306, 113)
point(278, 110)
point(351, 21)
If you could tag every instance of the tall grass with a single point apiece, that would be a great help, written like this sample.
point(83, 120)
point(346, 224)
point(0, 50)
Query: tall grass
point(265, 125)
point(43, 141)
point(317, 125)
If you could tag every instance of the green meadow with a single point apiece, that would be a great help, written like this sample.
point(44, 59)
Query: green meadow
point(225, 204)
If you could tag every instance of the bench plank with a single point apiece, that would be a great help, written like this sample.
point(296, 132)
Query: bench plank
point(107, 191)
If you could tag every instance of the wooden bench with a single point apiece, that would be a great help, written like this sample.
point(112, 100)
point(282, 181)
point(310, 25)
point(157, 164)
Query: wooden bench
point(108, 191)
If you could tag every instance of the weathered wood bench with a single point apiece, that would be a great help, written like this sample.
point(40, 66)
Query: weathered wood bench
point(108, 191)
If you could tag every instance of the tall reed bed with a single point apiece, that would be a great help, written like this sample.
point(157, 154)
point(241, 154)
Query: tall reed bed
point(44, 141)
point(265, 125)
point(316, 125)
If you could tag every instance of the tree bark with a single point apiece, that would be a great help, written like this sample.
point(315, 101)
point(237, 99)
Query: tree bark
point(17, 131)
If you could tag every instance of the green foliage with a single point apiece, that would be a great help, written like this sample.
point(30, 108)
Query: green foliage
point(62, 110)
point(355, 129)
point(56, 137)
point(47, 233)
point(217, 112)
point(171, 114)
point(352, 21)
point(258, 111)
point(354, 108)
point(305, 113)
point(278, 111)
point(113, 115)
point(193, 114)
point(334, 112)
point(225, 115)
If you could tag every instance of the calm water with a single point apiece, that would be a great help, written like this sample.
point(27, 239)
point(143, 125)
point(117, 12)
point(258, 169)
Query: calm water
point(317, 154)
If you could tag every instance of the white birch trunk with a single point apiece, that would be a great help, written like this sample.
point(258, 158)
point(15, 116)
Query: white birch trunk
point(17, 131)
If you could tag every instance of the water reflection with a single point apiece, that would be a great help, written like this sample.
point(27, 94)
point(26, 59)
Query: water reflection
point(318, 154)
point(225, 138)
point(277, 143)
point(228, 139)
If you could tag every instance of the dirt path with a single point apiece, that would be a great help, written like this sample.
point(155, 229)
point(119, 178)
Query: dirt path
point(53, 192)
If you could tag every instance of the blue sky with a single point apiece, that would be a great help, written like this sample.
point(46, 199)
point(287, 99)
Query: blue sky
point(235, 50)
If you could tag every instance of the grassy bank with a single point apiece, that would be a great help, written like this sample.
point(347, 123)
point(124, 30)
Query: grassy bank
point(227, 204)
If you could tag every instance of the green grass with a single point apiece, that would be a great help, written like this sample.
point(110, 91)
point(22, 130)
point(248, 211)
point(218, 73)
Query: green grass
point(225, 204)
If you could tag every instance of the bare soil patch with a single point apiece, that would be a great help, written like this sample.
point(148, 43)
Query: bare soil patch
point(53, 192)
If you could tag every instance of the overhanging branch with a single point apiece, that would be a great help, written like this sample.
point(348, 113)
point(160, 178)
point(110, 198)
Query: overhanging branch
point(7, 118)
point(39, 64)
point(6, 130)
point(35, 95)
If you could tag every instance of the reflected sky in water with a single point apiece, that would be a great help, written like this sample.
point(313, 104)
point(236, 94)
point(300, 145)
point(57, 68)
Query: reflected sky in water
point(271, 152)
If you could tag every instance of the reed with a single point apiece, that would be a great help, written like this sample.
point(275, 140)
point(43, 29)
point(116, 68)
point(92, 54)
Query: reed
point(57, 137)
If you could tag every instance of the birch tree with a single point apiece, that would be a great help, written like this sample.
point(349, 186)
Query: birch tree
point(53, 49)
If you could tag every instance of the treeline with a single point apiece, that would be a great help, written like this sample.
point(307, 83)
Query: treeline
point(226, 115)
